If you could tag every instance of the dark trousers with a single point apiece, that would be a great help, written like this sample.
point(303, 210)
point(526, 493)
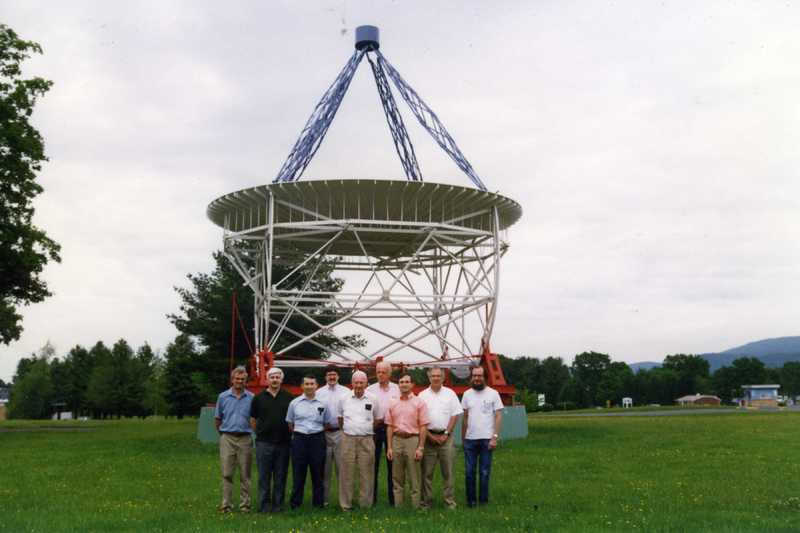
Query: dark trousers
point(273, 464)
point(308, 453)
point(477, 453)
point(380, 452)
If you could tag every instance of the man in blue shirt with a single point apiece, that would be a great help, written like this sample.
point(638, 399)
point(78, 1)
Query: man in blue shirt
point(232, 418)
point(307, 418)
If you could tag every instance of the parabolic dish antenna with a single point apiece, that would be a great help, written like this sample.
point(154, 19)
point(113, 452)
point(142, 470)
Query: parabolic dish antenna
point(425, 256)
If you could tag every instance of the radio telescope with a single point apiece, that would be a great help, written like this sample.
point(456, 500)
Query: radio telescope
point(421, 259)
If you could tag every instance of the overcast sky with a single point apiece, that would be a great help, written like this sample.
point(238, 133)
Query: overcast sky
point(653, 147)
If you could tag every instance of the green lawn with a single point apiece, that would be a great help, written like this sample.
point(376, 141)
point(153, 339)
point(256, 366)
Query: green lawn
point(701, 472)
point(640, 408)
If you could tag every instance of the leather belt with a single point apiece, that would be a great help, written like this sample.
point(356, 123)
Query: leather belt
point(436, 431)
point(404, 435)
point(235, 433)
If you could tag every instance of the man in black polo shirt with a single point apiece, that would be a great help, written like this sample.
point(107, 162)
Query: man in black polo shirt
point(268, 420)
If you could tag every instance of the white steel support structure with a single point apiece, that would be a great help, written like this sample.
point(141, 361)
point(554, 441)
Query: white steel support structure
point(424, 259)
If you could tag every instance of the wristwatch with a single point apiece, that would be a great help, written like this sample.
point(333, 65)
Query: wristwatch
point(446, 433)
point(495, 436)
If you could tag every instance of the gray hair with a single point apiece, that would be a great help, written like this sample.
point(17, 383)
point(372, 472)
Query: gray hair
point(275, 370)
point(358, 374)
point(431, 369)
point(384, 364)
point(239, 370)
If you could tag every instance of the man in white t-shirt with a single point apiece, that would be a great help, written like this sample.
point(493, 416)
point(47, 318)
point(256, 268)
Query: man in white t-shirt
point(483, 415)
point(331, 394)
point(443, 412)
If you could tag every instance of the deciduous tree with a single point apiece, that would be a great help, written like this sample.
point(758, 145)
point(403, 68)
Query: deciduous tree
point(588, 369)
point(790, 378)
point(24, 248)
point(33, 392)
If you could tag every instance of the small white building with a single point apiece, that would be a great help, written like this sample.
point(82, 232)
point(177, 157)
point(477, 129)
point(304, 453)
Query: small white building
point(627, 402)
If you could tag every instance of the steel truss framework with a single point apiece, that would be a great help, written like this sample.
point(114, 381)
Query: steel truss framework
point(432, 302)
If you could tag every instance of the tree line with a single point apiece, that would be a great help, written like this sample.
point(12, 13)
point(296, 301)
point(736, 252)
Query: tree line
point(102, 382)
point(119, 381)
point(593, 379)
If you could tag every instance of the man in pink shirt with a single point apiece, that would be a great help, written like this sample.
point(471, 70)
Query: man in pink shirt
point(406, 423)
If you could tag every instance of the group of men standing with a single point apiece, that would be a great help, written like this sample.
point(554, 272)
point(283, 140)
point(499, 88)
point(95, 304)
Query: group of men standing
point(352, 431)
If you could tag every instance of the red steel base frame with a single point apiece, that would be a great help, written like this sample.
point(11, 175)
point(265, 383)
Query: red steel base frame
point(262, 361)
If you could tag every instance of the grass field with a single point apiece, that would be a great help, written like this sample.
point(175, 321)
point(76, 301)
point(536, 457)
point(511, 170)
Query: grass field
point(701, 472)
point(641, 408)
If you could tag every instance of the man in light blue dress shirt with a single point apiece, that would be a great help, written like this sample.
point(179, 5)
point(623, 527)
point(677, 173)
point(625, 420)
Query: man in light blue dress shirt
point(232, 418)
point(307, 418)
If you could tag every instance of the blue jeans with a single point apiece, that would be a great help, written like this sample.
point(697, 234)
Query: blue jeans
point(273, 464)
point(476, 451)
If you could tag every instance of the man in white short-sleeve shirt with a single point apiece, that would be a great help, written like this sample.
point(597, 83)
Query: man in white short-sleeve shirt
point(356, 415)
point(483, 415)
point(443, 412)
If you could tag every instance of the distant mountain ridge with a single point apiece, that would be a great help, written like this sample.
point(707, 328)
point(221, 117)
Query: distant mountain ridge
point(772, 352)
point(644, 365)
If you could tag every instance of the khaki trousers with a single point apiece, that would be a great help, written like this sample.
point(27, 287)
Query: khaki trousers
point(444, 455)
point(333, 457)
point(235, 450)
point(404, 466)
point(356, 451)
